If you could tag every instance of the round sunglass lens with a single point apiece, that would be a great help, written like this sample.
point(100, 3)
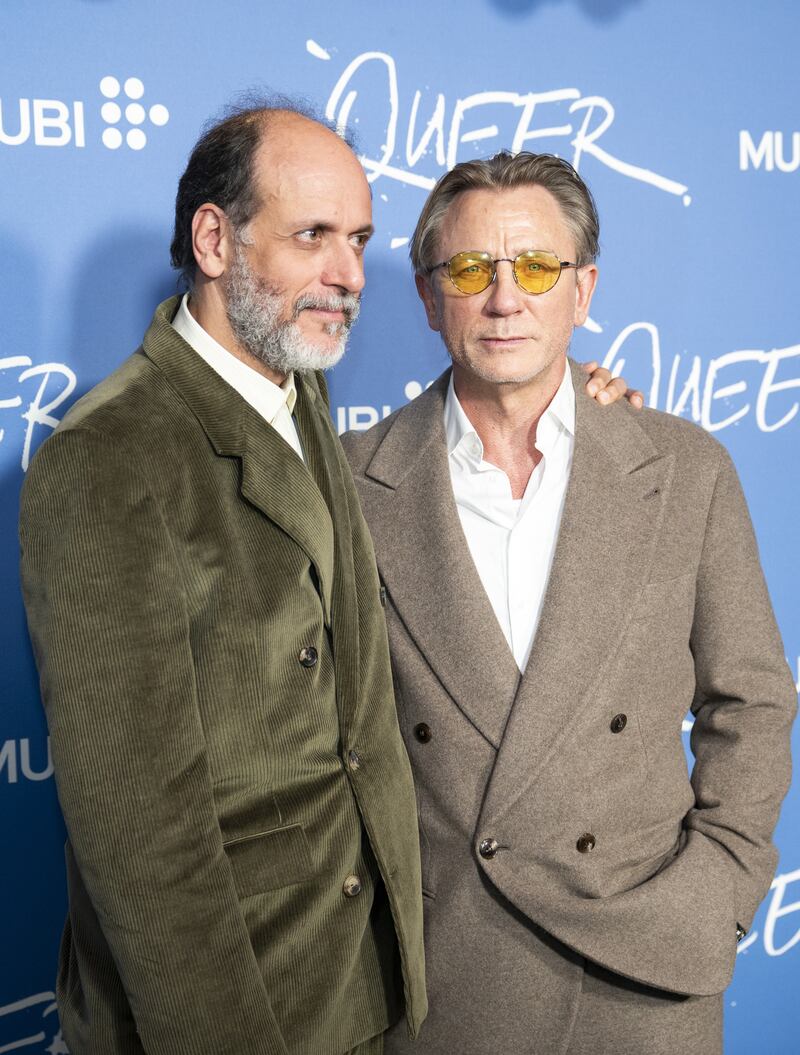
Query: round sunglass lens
point(537, 272)
point(471, 272)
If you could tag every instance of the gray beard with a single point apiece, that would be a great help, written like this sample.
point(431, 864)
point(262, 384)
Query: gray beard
point(255, 311)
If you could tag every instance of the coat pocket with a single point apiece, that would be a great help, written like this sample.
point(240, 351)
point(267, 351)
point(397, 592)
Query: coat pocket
point(269, 860)
point(664, 599)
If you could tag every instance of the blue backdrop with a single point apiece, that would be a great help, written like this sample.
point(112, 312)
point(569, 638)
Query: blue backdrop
point(681, 116)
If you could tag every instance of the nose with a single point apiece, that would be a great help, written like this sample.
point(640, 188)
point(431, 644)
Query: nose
point(344, 267)
point(504, 293)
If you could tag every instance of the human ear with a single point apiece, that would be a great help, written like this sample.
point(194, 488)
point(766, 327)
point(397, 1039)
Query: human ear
point(585, 282)
point(428, 298)
point(211, 240)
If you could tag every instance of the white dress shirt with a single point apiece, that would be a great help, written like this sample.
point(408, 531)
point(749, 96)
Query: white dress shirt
point(273, 402)
point(512, 541)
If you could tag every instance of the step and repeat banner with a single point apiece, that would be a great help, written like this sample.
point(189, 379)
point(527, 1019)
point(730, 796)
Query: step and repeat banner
point(682, 117)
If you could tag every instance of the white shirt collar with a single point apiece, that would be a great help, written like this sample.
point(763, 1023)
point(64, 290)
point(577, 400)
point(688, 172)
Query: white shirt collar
point(559, 415)
point(262, 394)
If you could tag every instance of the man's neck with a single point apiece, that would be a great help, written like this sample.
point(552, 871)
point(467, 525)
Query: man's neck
point(506, 417)
point(207, 308)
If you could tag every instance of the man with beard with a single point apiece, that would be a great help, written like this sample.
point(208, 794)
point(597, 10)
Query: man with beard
point(205, 610)
point(242, 847)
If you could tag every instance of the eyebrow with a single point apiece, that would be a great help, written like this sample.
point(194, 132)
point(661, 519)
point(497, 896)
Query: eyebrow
point(321, 225)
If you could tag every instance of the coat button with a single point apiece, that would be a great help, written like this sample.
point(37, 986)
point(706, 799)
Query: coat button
point(488, 848)
point(423, 732)
point(618, 723)
point(353, 759)
point(351, 886)
point(308, 656)
point(586, 843)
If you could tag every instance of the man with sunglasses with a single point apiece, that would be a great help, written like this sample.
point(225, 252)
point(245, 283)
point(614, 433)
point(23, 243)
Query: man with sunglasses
point(242, 850)
point(563, 583)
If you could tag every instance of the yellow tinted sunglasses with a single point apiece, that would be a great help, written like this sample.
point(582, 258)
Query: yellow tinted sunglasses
point(535, 270)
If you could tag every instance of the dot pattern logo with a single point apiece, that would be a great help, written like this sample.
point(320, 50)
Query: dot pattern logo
point(123, 107)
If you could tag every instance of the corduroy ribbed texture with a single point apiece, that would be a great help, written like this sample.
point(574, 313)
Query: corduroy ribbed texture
point(177, 556)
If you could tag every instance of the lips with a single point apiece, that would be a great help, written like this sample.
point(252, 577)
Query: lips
point(504, 340)
point(342, 309)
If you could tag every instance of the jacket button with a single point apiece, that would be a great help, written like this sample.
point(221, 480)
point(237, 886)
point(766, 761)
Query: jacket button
point(308, 656)
point(586, 843)
point(423, 732)
point(351, 886)
point(618, 723)
point(488, 848)
point(353, 759)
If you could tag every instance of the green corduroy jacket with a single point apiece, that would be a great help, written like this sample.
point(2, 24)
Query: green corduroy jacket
point(206, 619)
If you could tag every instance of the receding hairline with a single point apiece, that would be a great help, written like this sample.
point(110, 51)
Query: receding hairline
point(271, 121)
point(274, 146)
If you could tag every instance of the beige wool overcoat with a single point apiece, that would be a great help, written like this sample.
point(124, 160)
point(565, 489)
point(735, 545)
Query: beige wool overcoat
point(243, 857)
point(582, 890)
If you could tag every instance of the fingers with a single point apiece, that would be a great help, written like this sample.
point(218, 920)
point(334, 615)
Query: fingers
point(615, 389)
point(599, 379)
point(607, 389)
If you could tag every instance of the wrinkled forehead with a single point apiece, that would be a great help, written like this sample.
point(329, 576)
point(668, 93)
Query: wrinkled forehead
point(300, 162)
point(503, 221)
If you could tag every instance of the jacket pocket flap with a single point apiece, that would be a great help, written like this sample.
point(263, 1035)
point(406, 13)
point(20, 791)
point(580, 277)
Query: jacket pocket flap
point(269, 860)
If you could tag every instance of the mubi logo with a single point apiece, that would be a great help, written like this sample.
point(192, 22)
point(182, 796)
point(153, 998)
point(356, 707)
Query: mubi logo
point(771, 152)
point(49, 122)
point(133, 115)
point(55, 123)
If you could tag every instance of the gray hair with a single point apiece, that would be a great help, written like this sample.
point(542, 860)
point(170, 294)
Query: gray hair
point(505, 171)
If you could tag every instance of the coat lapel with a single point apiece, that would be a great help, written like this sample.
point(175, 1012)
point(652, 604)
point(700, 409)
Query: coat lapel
point(273, 478)
point(427, 568)
point(612, 514)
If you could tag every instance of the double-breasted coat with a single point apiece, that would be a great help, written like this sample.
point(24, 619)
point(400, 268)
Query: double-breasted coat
point(582, 890)
point(243, 859)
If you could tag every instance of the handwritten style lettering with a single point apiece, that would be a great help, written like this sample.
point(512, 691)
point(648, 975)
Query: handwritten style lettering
point(514, 119)
point(56, 384)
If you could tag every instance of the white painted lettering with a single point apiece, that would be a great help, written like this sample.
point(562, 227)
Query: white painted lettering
point(39, 413)
point(529, 102)
point(769, 385)
point(80, 125)
point(25, 762)
point(617, 367)
point(8, 760)
point(585, 142)
point(752, 156)
point(341, 102)
point(714, 367)
point(699, 392)
point(24, 125)
point(780, 160)
point(434, 127)
point(776, 911)
point(461, 109)
point(338, 109)
point(51, 114)
point(690, 390)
